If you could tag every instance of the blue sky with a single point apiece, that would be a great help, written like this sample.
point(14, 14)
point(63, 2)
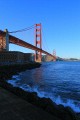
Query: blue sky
point(60, 23)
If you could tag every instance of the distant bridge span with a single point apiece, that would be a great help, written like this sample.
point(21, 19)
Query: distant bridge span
point(17, 41)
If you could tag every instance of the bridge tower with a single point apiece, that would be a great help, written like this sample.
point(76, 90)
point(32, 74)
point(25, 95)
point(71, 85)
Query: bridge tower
point(54, 54)
point(4, 42)
point(38, 42)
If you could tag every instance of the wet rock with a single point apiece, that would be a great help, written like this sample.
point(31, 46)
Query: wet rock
point(44, 102)
point(33, 98)
point(71, 113)
point(78, 116)
point(59, 111)
point(5, 85)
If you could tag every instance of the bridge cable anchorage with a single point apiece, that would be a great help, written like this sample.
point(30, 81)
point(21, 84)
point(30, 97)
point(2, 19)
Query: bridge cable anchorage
point(25, 29)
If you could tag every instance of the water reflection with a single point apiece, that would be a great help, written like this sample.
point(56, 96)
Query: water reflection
point(37, 76)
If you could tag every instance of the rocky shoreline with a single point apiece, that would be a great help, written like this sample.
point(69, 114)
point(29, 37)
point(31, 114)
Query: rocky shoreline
point(61, 112)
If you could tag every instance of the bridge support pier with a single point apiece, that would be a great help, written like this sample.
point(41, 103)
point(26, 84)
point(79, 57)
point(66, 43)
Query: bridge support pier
point(7, 40)
point(38, 42)
point(4, 41)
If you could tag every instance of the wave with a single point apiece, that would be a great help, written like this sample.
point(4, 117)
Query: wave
point(58, 100)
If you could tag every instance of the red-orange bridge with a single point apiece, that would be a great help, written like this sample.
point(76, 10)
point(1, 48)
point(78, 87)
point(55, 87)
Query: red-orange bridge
point(5, 36)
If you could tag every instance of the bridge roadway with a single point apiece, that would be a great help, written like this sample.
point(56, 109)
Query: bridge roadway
point(17, 41)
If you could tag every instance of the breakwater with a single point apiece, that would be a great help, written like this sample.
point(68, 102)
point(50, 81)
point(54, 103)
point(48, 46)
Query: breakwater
point(64, 113)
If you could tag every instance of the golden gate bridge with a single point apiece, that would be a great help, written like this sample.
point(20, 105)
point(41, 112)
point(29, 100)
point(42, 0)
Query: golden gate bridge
point(6, 38)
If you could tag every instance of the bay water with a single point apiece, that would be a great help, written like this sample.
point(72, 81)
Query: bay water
point(59, 81)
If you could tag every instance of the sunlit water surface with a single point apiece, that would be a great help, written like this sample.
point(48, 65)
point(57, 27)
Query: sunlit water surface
point(59, 81)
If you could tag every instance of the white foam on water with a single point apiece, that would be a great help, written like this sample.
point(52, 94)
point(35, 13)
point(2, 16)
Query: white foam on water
point(72, 105)
point(26, 87)
point(69, 103)
point(14, 76)
point(13, 82)
point(57, 100)
point(41, 94)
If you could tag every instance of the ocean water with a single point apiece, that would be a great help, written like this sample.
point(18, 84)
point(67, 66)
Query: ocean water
point(59, 81)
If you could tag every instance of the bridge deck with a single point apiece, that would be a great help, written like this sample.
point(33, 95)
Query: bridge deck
point(22, 43)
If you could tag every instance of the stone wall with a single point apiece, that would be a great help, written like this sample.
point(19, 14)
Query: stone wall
point(7, 57)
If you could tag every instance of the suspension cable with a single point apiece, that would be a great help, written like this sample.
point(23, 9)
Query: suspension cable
point(47, 48)
point(25, 29)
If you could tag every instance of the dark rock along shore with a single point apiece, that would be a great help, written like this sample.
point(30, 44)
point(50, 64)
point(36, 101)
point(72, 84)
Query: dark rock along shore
point(6, 72)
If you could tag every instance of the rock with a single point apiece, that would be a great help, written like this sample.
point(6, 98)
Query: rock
point(44, 102)
point(71, 113)
point(78, 116)
point(59, 111)
point(33, 98)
